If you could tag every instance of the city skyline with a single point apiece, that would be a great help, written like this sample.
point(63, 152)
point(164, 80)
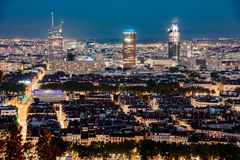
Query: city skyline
point(106, 19)
point(119, 79)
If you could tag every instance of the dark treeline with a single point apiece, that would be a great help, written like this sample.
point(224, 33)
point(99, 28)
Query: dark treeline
point(148, 149)
point(49, 147)
point(162, 88)
point(12, 87)
point(11, 146)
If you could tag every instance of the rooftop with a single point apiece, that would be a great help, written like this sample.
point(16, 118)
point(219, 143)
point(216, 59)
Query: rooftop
point(129, 30)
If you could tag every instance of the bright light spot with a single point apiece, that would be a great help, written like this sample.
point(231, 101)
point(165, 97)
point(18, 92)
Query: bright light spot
point(18, 120)
point(128, 40)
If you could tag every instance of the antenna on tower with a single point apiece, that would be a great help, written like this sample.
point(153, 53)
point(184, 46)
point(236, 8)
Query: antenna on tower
point(175, 21)
point(52, 19)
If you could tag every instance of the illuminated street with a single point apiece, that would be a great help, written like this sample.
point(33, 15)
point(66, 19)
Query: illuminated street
point(23, 107)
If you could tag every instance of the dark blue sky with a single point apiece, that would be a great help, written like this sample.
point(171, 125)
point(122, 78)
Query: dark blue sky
point(106, 19)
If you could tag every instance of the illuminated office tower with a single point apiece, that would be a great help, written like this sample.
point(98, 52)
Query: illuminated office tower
point(55, 40)
point(129, 48)
point(174, 41)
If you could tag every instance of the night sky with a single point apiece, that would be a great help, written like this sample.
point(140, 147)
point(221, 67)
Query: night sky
point(106, 19)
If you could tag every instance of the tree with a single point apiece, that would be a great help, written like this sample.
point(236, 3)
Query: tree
point(60, 145)
point(147, 149)
point(193, 76)
point(1, 76)
point(14, 146)
point(173, 69)
point(2, 148)
point(44, 147)
point(29, 151)
point(12, 87)
point(237, 90)
point(214, 75)
point(213, 91)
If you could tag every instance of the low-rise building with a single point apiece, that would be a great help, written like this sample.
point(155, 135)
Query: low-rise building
point(205, 101)
point(49, 95)
point(8, 111)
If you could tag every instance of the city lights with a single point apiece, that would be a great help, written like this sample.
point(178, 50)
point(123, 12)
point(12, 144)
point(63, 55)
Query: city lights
point(90, 89)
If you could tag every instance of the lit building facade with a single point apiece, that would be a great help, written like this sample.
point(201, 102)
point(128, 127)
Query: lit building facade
point(8, 111)
point(129, 48)
point(174, 41)
point(10, 66)
point(49, 95)
point(206, 101)
point(78, 67)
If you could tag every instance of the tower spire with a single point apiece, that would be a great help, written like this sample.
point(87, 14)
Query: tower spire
point(52, 13)
point(175, 21)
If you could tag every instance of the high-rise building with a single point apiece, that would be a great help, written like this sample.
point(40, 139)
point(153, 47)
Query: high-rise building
point(174, 41)
point(129, 48)
point(55, 40)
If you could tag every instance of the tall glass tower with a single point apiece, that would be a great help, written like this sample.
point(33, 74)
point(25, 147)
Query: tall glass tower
point(129, 48)
point(55, 39)
point(55, 43)
point(174, 41)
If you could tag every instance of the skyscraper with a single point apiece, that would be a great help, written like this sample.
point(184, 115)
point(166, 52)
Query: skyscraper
point(129, 48)
point(174, 41)
point(55, 40)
